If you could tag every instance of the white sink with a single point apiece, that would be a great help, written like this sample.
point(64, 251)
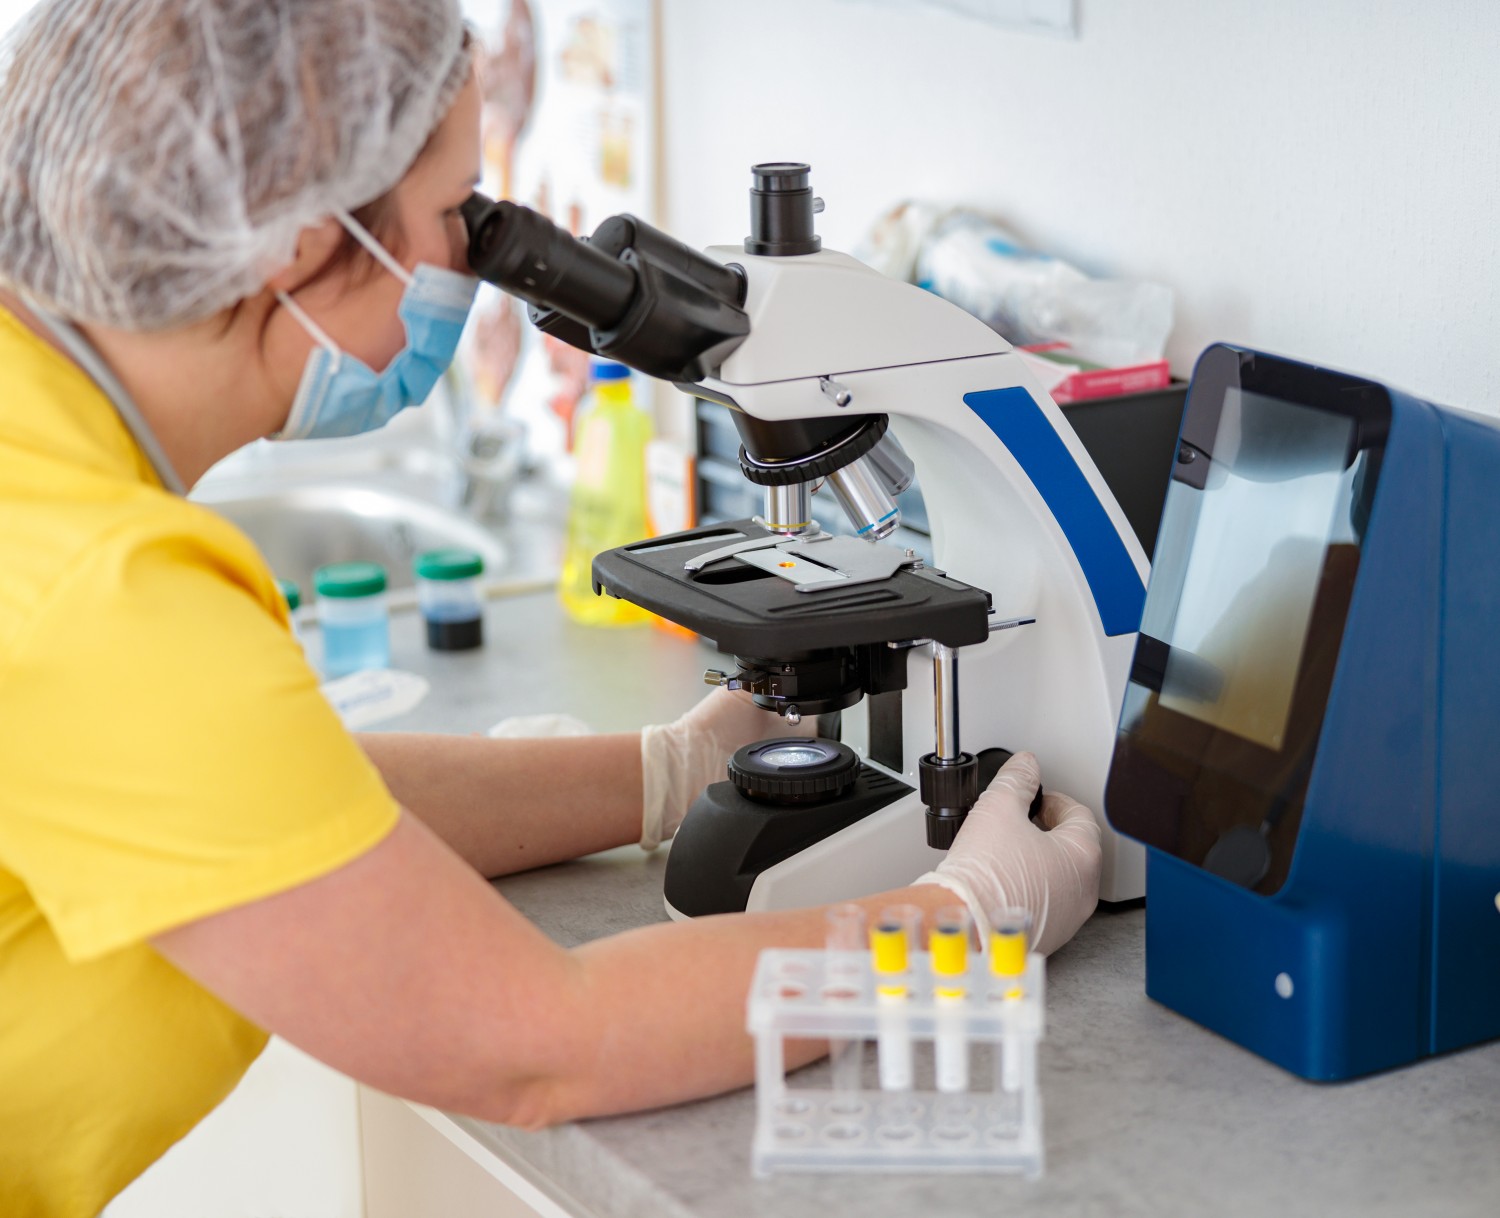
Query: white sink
point(300, 528)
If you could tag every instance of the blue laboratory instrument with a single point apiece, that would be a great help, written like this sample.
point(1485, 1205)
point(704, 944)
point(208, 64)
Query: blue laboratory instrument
point(1308, 740)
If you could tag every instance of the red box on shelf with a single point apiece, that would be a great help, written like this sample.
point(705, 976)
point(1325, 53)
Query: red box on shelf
point(1069, 379)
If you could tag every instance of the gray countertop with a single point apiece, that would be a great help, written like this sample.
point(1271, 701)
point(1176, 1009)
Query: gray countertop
point(1145, 1112)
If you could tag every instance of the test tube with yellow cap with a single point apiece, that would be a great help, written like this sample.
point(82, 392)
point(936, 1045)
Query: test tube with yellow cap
point(1010, 941)
point(891, 938)
point(948, 945)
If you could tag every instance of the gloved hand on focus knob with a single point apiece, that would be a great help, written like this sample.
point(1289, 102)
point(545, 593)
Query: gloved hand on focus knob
point(679, 759)
point(1000, 858)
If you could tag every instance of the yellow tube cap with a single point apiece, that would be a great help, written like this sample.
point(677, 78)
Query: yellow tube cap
point(949, 946)
point(888, 948)
point(1008, 952)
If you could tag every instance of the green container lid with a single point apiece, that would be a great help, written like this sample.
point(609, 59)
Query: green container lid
point(290, 592)
point(448, 564)
point(349, 580)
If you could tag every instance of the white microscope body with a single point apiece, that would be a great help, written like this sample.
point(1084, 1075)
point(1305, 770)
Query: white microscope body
point(797, 339)
point(1053, 686)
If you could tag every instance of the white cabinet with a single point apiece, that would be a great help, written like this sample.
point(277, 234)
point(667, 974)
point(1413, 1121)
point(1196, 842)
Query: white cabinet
point(285, 1142)
point(419, 1162)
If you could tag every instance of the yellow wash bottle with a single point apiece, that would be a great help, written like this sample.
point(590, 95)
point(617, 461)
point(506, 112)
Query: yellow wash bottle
point(608, 505)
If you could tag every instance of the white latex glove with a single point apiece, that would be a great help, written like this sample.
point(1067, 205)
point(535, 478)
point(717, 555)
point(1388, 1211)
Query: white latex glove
point(1001, 859)
point(679, 759)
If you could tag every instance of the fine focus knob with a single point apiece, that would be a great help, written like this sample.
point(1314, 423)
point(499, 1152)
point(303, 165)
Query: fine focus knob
point(794, 770)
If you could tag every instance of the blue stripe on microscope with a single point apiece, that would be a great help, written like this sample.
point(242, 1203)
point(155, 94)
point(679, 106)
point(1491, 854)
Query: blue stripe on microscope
point(877, 523)
point(1018, 421)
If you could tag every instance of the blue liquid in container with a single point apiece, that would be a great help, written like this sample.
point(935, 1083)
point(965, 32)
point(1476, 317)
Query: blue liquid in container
point(349, 647)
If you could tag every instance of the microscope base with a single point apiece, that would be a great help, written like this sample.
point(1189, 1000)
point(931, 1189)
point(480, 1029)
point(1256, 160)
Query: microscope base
point(728, 842)
point(885, 850)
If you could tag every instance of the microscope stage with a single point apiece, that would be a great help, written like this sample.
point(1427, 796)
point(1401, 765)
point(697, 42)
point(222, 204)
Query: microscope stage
point(748, 611)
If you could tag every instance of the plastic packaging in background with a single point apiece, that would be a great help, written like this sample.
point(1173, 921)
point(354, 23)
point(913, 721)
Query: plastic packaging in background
point(1025, 295)
point(373, 695)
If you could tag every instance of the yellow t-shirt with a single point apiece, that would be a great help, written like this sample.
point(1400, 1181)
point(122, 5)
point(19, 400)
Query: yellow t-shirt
point(164, 754)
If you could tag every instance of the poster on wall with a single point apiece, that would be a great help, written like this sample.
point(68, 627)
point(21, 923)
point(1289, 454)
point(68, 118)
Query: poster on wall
point(1055, 17)
point(568, 130)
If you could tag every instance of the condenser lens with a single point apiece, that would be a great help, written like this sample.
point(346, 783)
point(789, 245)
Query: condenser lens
point(793, 770)
point(794, 755)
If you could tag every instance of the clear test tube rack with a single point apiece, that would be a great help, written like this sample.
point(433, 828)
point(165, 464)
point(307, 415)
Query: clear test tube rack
point(832, 995)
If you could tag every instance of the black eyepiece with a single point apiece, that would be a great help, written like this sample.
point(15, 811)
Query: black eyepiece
point(779, 176)
point(523, 252)
point(629, 293)
point(781, 210)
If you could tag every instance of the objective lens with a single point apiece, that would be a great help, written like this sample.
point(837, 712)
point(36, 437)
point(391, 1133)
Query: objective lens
point(862, 494)
point(789, 508)
point(892, 464)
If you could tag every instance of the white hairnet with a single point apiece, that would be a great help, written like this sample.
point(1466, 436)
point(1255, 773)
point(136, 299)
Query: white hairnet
point(159, 157)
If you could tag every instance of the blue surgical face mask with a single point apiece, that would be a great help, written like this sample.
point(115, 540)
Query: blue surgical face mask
point(342, 396)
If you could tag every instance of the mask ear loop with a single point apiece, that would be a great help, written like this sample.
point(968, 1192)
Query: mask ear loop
point(381, 255)
point(377, 251)
point(312, 327)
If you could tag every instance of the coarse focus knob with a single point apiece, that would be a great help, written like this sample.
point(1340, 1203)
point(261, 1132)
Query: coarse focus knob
point(949, 789)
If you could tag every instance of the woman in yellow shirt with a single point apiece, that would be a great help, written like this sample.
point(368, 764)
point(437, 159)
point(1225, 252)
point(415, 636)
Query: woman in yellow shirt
point(222, 220)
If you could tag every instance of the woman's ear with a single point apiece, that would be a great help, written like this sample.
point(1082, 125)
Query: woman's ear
point(315, 246)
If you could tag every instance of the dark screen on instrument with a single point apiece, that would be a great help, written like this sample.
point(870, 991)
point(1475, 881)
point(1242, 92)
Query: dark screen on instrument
point(1253, 574)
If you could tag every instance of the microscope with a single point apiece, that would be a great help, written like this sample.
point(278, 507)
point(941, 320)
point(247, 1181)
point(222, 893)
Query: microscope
point(842, 379)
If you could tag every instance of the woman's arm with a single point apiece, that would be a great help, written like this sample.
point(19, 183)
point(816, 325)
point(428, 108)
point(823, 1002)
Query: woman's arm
point(508, 805)
point(405, 970)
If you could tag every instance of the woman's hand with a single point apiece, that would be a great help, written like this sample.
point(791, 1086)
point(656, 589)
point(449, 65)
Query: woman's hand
point(1000, 859)
point(679, 759)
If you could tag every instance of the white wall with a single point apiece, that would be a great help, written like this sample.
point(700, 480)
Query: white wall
point(1320, 180)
